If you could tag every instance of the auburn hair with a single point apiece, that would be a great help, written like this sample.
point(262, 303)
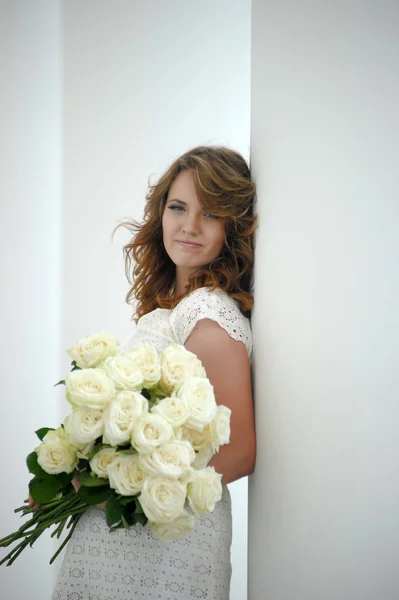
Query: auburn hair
point(224, 187)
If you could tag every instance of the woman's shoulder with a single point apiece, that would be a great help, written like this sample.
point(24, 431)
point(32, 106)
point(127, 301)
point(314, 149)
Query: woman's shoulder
point(206, 297)
point(204, 303)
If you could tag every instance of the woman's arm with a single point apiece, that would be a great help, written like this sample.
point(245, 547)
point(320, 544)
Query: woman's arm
point(227, 366)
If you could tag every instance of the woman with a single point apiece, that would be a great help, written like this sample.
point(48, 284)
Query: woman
point(193, 264)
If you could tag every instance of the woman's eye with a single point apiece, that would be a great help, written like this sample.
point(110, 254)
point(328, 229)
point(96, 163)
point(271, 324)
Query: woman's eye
point(178, 208)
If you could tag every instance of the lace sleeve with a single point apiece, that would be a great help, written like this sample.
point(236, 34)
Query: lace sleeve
point(215, 305)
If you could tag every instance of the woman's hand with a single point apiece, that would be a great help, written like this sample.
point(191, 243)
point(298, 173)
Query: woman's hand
point(32, 503)
point(76, 484)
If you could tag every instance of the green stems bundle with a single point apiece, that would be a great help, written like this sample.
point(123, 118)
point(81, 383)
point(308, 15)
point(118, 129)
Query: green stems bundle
point(63, 512)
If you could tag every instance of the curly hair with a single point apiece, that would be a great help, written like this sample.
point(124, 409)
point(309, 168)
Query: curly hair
point(224, 187)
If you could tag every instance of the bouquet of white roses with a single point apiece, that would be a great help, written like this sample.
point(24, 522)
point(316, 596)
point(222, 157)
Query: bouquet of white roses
point(142, 430)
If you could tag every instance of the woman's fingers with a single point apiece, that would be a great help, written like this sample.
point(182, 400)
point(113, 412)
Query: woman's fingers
point(75, 482)
point(32, 503)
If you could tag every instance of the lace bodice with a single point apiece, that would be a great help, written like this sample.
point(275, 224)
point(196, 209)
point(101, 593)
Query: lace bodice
point(163, 327)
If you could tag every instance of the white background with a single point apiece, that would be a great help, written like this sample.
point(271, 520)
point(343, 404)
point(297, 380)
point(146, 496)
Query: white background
point(100, 95)
point(95, 98)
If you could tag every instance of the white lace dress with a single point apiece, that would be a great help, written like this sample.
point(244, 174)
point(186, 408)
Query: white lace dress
point(132, 564)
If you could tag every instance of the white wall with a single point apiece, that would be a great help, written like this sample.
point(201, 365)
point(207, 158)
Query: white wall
point(141, 83)
point(324, 501)
point(30, 238)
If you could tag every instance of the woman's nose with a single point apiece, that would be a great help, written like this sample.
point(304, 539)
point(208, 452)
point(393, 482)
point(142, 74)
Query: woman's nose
point(191, 225)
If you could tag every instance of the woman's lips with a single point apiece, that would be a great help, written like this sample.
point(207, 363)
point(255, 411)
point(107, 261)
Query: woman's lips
point(188, 244)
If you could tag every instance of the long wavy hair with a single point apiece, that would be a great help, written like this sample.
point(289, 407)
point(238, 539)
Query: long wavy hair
point(224, 187)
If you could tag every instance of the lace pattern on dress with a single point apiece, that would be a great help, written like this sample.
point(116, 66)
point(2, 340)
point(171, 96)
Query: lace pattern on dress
point(216, 305)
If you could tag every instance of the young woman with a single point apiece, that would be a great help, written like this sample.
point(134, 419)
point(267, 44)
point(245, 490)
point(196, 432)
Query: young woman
point(192, 264)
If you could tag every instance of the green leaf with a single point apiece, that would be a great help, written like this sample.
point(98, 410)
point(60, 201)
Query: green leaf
point(62, 382)
point(142, 519)
point(128, 515)
point(44, 490)
point(34, 467)
point(113, 511)
point(94, 495)
point(88, 479)
point(64, 478)
point(128, 451)
point(125, 500)
point(138, 515)
point(43, 431)
point(125, 522)
point(83, 464)
point(139, 509)
point(67, 490)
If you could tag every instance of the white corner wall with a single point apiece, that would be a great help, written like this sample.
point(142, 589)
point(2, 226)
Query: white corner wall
point(130, 86)
point(30, 242)
point(324, 500)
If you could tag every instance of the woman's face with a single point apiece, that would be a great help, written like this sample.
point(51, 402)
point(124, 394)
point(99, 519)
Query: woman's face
point(192, 237)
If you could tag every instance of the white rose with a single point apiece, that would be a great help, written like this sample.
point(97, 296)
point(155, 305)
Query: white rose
point(201, 441)
point(162, 500)
point(198, 439)
point(121, 415)
point(220, 428)
point(203, 457)
point(178, 433)
point(197, 393)
point(55, 454)
point(124, 372)
point(175, 530)
point(177, 364)
point(147, 359)
point(55, 434)
point(89, 387)
point(126, 474)
point(150, 431)
point(205, 491)
point(83, 450)
point(174, 410)
point(90, 351)
point(84, 425)
point(171, 460)
point(101, 461)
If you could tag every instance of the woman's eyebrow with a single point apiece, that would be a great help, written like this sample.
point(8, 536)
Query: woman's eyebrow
point(178, 201)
